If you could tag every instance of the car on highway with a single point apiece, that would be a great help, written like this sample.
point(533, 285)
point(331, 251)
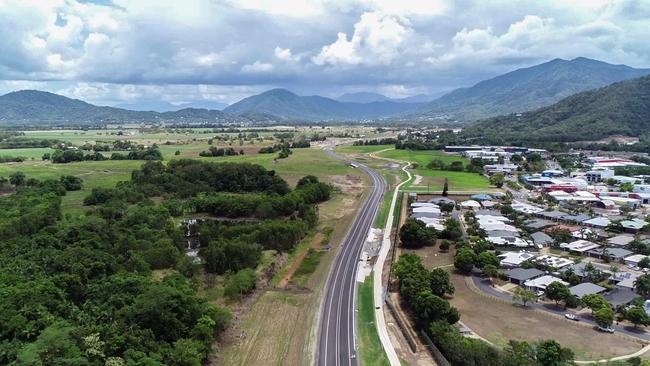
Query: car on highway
point(571, 316)
point(606, 329)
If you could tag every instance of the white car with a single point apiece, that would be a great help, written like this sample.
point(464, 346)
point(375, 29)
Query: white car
point(571, 317)
point(606, 329)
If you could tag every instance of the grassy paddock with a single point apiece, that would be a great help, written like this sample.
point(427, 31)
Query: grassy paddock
point(349, 149)
point(371, 351)
point(434, 179)
point(35, 153)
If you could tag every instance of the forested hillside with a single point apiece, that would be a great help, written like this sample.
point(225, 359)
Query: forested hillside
point(529, 88)
point(620, 109)
point(33, 106)
point(80, 291)
point(285, 104)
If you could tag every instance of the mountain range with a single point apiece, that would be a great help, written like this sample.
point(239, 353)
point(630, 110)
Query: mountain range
point(288, 105)
point(527, 89)
point(622, 108)
point(517, 91)
point(30, 106)
point(366, 97)
point(163, 106)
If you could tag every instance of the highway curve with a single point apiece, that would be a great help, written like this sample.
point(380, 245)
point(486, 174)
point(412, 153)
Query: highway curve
point(337, 343)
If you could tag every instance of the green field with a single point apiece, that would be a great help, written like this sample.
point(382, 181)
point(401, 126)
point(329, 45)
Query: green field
point(422, 157)
point(433, 180)
point(29, 153)
point(349, 149)
point(371, 351)
point(94, 174)
point(107, 173)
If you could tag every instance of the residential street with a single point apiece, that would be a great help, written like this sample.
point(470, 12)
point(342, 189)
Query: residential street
point(485, 286)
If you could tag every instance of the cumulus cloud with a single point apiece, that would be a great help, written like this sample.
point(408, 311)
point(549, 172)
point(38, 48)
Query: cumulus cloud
point(256, 67)
point(396, 47)
point(285, 54)
point(377, 39)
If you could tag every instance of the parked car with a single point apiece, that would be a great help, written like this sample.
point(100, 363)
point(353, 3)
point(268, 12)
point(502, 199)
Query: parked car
point(539, 293)
point(606, 329)
point(571, 316)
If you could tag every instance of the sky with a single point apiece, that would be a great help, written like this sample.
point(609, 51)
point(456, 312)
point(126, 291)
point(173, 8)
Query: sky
point(134, 52)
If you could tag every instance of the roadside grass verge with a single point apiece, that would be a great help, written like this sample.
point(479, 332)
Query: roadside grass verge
point(371, 351)
point(382, 215)
point(307, 267)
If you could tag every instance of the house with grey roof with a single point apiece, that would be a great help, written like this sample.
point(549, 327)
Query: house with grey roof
point(520, 275)
point(586, 288)
point(502, 233)
point(538, 224)
point(620, 240)
point(441, 200)
point(579, 268)
point(540, 238)
point(615, 254)
point(597, 222)
point(620, 296)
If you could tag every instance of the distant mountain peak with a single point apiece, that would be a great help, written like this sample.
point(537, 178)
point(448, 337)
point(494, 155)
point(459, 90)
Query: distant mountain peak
point(288, 105)
point(36, 96)
point(528, 88)
point(362, 97)
point(280, 92)
point(622, 108)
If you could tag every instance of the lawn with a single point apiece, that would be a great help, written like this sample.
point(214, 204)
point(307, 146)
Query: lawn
point(433, 180)
point(371, 351)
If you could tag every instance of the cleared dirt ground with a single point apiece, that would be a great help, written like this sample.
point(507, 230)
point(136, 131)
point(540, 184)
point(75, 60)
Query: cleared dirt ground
point(499, 321)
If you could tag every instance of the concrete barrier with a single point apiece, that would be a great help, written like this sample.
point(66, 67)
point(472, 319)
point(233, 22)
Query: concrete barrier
point(402, 326)
point(435, 352)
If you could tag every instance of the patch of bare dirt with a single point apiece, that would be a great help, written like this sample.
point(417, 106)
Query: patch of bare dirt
point(314, 244)
point(347, 183)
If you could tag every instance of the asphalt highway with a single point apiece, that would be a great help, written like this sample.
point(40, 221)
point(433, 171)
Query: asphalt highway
point(337, 343)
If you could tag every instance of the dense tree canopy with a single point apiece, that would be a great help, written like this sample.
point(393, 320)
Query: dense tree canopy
point(80, 291)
